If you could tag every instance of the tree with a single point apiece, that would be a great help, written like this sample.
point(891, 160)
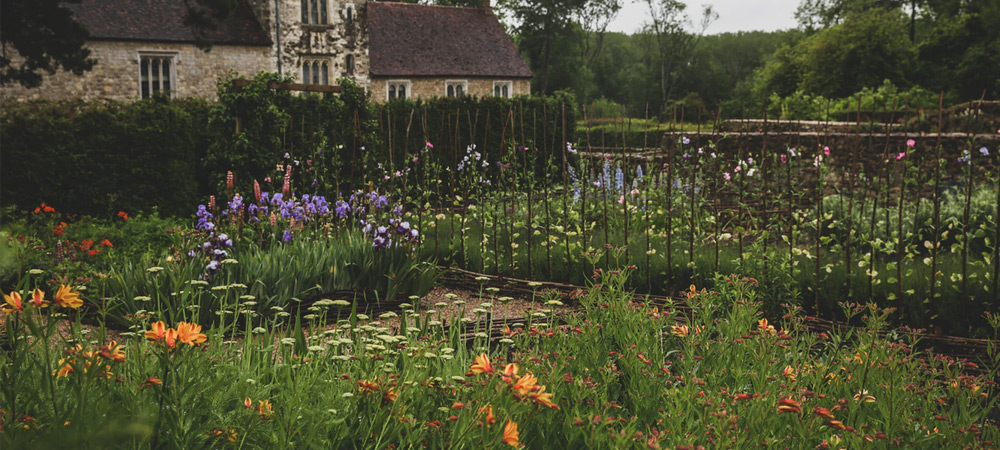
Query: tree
point(675, 44)
point(42, 35)
point(540, 24)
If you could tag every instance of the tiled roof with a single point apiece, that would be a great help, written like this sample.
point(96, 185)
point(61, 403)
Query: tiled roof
point(163, 21)
point(423, 40)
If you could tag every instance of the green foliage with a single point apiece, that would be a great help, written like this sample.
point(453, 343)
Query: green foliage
point(44, 37)
point(618, 373)
point(102, 157)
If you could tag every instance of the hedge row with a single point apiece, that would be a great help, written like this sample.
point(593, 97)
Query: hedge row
point(101, 157)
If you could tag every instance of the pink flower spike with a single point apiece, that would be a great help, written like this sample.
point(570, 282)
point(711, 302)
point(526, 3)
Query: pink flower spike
point(429, 145)
point(911, 143)
point(900, 156)
point(784, 158)
point(826, 151)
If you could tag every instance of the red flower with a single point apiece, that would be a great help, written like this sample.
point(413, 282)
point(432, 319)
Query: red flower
point(106, 243)
point(123, 215)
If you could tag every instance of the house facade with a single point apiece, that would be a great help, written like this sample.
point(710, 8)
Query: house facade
point(425, 51)
point(143, 49)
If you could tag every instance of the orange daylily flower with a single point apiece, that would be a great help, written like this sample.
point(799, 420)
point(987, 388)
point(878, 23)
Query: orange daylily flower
point(679, 330)
point(835, 424)
point(391, 395)
point(510, 434)
point(787, 405)
point(65, 368)
point(66, 298)
point(823, 412)
point(769, 329)
point(864, 397)
point(789, 373)
point(544, 398)
point(38, 299)
point(248, 403)
point(190, 333)
point(152, 381)
point(525, 384)
point(113, 352)
point(157, 331)
point(170, 337)
point(14, 303)
point(482, 365)
point(264, 408)
point(490, 419)
point(509, 372)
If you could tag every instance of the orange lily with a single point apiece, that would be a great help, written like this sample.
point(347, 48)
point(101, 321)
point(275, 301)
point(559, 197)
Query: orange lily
point(190, 333)
point(525, 384)
point(66, 298)
point(787, 405)
point(264, 408)
point(113, 352)
point(157, 331)
point(170, 337)
point(544, 398)
point(835, 424)
point(509, 372)
point(762, 324)
point(490, 419)
point(510, 434)
point(391, 395)
point(14, 303)
point(65, 368)
point(38, 299)
point(679, 330)
point(823, 412)
point(789, 373)
point(482, 365)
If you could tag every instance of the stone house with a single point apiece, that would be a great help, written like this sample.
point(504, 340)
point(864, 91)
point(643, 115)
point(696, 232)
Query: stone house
point(142, 49)
point(427, 51)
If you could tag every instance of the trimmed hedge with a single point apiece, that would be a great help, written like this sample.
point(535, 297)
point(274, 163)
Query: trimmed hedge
point(100, 157)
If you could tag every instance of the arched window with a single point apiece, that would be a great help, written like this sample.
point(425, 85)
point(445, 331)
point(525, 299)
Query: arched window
point(502, 89)
point(349, 64)
point(396, 89)
point(316, 71)
point(456, 88)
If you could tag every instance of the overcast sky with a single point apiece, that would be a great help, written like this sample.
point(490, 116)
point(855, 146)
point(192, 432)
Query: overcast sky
point(734, 15)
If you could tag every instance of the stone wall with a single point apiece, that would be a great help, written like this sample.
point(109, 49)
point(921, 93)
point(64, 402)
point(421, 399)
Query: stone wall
point(427, 87)
point(330, 42)
point(116, 74)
